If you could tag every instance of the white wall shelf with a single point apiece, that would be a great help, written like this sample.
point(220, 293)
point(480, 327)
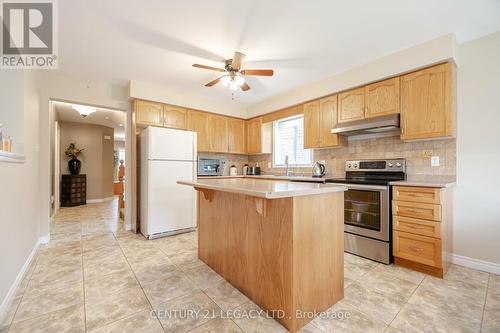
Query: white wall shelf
point(7, 157)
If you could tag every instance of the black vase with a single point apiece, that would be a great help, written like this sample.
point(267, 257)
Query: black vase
point(74, 166)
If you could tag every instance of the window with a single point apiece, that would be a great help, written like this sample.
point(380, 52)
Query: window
point(289, 141)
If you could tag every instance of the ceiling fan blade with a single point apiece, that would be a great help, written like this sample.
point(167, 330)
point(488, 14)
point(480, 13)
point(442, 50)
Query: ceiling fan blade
point(258, 72)
point(209, 68)
point(237, 60)
point(214, 82)
point(245, 87)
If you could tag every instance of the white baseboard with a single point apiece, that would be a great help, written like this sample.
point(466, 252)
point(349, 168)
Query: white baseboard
point(44, 239)
point(100, 200)
point(478, 264)
point(4, 307)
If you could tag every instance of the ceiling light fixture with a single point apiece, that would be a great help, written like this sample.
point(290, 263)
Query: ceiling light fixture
point(83, 110)
point(225, 80)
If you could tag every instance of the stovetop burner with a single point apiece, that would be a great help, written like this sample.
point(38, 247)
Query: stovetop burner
point(372, 172)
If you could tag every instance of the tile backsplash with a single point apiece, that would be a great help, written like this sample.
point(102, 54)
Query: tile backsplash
point(417, 155)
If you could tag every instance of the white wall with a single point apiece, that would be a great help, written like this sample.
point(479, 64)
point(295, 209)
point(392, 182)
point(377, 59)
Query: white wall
point(422, 55)
point(477, 199)
point(18, 182)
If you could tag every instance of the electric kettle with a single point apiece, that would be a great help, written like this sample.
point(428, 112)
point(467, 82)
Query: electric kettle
point(318, 170)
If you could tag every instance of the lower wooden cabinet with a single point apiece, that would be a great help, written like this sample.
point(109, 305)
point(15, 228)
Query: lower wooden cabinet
point(417, 248)
point(422, 228)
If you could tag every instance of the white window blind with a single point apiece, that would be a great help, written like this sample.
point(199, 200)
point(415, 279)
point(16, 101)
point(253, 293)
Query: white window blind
point(289, 141)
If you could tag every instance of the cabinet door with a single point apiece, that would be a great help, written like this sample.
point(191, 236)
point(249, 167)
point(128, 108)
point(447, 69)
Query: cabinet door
point(217, 133)
point(254, 135)
point(236, 135)
point(351, 105)
point(311, 125)
point(327, 121)
point(174, 117)
point(148, 113)
point(427, 106)
point(382, 98)
point(198, 122)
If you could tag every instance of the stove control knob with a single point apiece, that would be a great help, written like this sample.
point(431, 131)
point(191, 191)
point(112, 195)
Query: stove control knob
point(398, 165)
point(349, 166)
point(390, 165)
point(355, 166)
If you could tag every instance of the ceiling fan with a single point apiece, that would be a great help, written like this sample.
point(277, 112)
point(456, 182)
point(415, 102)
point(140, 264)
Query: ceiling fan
point(234, 76)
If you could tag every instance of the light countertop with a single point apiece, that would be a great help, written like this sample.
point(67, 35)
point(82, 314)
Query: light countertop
point(262, 188)
point(427, 181)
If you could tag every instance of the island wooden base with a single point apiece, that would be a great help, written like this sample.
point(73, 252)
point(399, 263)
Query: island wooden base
point(284, 254)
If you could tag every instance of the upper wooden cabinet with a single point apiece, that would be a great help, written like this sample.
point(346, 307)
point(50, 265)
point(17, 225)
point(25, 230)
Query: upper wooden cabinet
point(198, 122)
point(148, 113)
point(236, 136)
point(259, 136)
point(311, 125)
point(327, 121)
point(382, 98)
point(427, 103)
point(217, 133)
point(174, 117)
point(320, 117)
point(351, 105)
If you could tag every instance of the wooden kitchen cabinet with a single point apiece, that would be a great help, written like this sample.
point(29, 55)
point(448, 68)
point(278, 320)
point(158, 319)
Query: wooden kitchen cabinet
point(217, 133)
point(236, 136)
point(259, 136)
point(174, 117)
point(382, 98)
point(422, 228)
point(311, 125)
point(320, 117)
point(198, 122)
point(327, 121)
point(148, 113)
point(351, 105)
point(427, 103)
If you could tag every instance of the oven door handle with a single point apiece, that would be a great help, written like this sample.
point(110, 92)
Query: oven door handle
point(363, 187)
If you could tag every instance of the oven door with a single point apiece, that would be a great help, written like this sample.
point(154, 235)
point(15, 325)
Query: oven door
point(366, 211)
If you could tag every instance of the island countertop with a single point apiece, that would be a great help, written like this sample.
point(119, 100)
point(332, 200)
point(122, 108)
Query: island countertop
point(267, 189)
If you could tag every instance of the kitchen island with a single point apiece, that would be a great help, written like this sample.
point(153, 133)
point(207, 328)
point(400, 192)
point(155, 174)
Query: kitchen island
point(280, 243)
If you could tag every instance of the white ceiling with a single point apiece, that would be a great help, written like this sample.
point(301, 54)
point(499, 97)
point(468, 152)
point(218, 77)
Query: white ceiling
point(157, 41)
point(103, 117)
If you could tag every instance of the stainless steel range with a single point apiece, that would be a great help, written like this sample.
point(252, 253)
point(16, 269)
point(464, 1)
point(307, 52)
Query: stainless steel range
point(367, 208)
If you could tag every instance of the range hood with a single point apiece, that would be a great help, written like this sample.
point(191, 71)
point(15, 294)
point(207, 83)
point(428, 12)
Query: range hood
point(384, 125)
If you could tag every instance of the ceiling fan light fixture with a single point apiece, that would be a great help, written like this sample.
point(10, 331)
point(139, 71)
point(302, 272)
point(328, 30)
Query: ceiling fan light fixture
point(239, 80)
point(225, 80)
point(233, 85)
point(83, 110)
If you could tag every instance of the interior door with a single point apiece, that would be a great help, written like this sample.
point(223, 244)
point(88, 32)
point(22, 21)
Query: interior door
point(171, 206)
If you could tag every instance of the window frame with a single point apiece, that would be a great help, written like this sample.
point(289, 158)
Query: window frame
point(276, 165)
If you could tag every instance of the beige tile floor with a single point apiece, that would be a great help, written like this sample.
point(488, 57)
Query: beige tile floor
point(96, 277)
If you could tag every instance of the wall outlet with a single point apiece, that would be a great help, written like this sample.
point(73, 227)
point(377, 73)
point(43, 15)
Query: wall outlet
point(269, 165)
point(435, 161)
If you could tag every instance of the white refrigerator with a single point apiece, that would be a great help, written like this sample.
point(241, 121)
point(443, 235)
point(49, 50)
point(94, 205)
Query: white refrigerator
point(167, 155)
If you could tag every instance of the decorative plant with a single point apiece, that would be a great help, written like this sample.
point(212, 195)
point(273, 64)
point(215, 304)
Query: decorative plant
point(72, 151)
